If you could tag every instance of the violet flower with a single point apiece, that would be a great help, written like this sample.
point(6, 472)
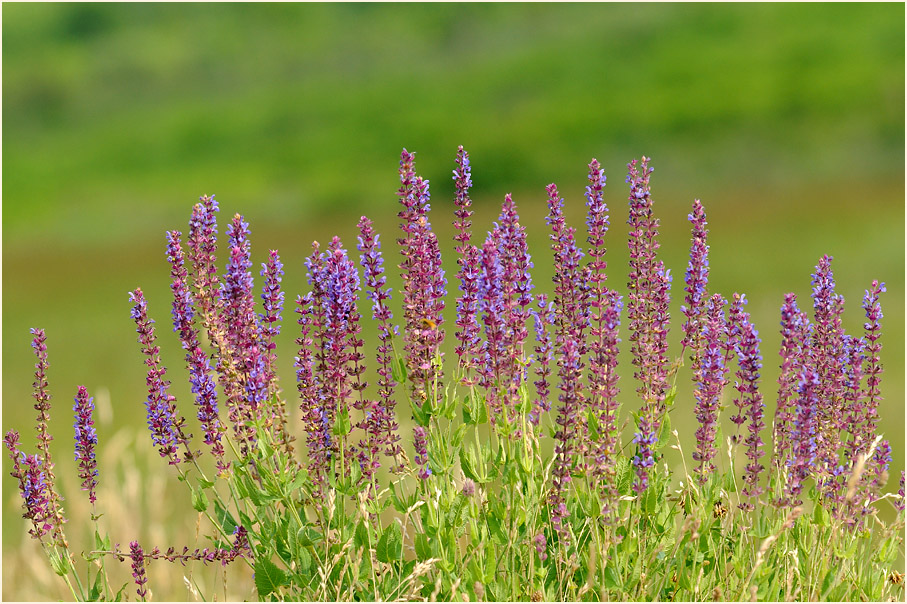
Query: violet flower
point(516, 298)
point(423, 284)
point(272, 272)
point(710, 382)
point(28, 470)
point(165, 426)
point(468, 341)
point(647, 314)
point(827, 343)
point(803, 436)
point(795, 330)
point(597, 223)
point(202, 243)
point(696, 279)
point(382, 421)
point(566, 441)
point(205, 390)
point(541, 546)
point(86, 440)
point(544, 320)
point(309, 385)
point(138, 568)
point(42, 406)
point(872, 329)
point(750, 403)
point(493, 370)
point(571, 316)
point(608, 444)
point(421, 447)
point(899, 502)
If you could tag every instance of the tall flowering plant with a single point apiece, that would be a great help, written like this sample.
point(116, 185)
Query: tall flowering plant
point(507, 470)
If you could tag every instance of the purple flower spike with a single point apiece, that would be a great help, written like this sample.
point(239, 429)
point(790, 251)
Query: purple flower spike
point(696, 279)
point(462, 177)
point(566, 441)
point(647, 314)
point(710, 382)
point(42, 406)
point(749, 404)
point(541, 546)
point(86, 441)
point(423, 285)
point(166, 428)
point(872, 329)
point(516, 298)
point(795, 330)
point(138, 568)
point(603, 326)
point(273, 298)
point(421, 458)
point(604, 366)
point(205, 391)
point(236, 290)
point(827, 343)
point(202, 243)
point(28, 471)
point(803, 436)
point(182, 311)
point(310, 390)
point(899, 502)
point(544, 320)
point(382, 422)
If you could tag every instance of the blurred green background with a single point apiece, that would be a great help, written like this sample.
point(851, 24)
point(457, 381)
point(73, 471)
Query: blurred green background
point(786, 120)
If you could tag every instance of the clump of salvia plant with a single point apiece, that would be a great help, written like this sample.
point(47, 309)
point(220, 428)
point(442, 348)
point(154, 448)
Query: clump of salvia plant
point(504, 472)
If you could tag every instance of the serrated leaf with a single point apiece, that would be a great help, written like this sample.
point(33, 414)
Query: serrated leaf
point(623, 472)
point(94, 594)
point(199, 500)
point(390, 546)
point(268, 577)
point(307, 536)
point(612, 579)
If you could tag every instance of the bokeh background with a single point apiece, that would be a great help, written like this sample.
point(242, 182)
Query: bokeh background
point(786, 120)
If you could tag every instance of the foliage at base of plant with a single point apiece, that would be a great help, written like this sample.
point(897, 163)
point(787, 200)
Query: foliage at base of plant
point(515, 481)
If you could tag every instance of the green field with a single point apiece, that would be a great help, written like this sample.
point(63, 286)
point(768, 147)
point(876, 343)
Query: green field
point(786, 120)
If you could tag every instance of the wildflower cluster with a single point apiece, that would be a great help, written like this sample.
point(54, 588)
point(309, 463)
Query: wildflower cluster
point(513, 479)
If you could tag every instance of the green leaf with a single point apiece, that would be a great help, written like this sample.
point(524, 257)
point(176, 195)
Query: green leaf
point(828, 582)
point(592, 422)
point(60, 563)
point(624, 472)
point(398, 371)
point(821, 516)
point(419, 415)
point(341, 423)
point(390, 546)
point(199, 500)
point(612, 579)
point(664, 432)
point(226, 521)
point(650, 500)
point(423, 547)
point(671, 396)
point(360, 539)
point(94, 594)
point(307, 536)
point(268, 577)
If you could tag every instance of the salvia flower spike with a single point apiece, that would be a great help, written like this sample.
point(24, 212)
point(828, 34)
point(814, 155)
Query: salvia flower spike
point(86, 442)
